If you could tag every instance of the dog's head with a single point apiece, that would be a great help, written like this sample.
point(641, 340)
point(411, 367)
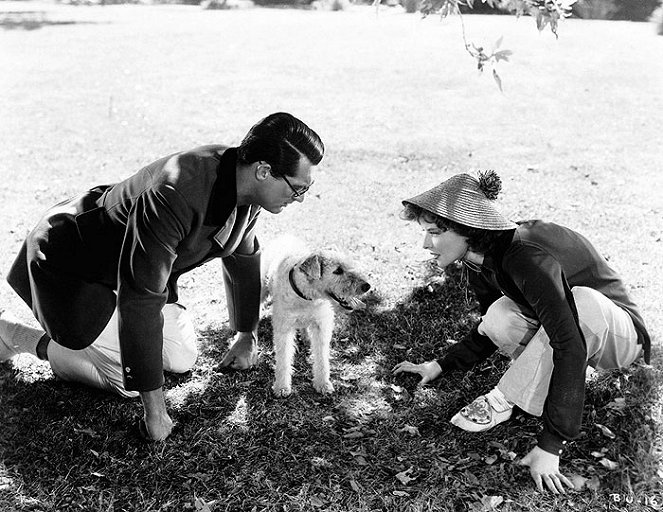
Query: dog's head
point(330, 274)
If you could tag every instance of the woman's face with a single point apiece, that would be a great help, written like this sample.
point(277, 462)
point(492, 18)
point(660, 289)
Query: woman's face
point(445, 245)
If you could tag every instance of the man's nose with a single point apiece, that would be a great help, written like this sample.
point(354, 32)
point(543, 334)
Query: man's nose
point(300, 198)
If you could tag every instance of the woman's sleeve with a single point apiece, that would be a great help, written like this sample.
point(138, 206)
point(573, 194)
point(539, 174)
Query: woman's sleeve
point(540, 278)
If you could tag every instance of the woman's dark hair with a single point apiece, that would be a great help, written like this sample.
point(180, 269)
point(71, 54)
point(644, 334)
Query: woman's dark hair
point(280, 140)
point(478, 240)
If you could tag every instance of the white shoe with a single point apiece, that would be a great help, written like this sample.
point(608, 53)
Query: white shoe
point(484, 413)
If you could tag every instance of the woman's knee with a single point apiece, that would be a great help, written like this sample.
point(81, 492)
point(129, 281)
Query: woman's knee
point(506, 324)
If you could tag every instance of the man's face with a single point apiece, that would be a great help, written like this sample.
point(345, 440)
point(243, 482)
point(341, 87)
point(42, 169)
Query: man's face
point(279, 192)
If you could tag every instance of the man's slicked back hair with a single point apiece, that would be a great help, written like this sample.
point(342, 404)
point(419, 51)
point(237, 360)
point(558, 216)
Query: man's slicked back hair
point(281, 139)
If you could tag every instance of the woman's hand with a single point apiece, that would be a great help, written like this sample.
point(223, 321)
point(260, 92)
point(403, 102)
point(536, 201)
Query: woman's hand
point(544, 467)
point(429, 370)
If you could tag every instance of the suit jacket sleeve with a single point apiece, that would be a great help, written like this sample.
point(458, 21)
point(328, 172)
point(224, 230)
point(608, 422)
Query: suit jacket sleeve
point(242, 281)
point(155, 226)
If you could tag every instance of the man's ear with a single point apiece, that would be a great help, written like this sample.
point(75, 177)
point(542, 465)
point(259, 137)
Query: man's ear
point(262, 170)
point(312, 266)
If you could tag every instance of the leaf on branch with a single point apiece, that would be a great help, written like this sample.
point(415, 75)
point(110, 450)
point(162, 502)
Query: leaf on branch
point(502, 55)
point(498, 80)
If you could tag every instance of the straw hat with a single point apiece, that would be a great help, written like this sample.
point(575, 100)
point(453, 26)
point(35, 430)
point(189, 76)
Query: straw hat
point(466, 200)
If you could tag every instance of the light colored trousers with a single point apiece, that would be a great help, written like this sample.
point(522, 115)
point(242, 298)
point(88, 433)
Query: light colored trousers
point(609, 333)
point(100, 365)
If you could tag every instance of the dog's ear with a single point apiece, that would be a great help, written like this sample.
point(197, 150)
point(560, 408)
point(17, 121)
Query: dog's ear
point(312, 266)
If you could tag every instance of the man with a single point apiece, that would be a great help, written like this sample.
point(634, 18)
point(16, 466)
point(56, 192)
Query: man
point(100, 271)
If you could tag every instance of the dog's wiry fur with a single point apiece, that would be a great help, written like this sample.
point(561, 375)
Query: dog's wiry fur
point(325, 279)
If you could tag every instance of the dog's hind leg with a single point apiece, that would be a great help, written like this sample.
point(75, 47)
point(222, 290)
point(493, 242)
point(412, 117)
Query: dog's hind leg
point(320, 334)
point(284, 354)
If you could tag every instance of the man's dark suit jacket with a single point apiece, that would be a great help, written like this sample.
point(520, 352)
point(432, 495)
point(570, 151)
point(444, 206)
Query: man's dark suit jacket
point(126, 245)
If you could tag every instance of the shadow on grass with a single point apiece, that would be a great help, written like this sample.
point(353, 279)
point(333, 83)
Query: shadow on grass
point(376, 443)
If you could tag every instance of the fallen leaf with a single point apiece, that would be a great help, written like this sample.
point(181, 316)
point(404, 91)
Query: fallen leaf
point(606, 431)
point(355, 486)
point(361, 460)
point(579, 482)
point(98, 475)
point(492, 501)
point(486, 504)
point(201, 506)
point(353, 435)
point(598, 455)
point(399, 493)
point(404, 476)
point(409, 429)
point(609, 464)
point(328, 418)
point(398, 346)
point(317, 502)
point(617, 404)
point(473, 480)
point(594, 483)
point(87, 431)
point(490, 460)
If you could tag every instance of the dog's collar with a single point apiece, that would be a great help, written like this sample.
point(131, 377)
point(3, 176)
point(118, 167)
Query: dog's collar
point(294, 286)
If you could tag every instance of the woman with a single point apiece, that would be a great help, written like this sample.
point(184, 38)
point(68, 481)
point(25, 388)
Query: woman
point(548, 299)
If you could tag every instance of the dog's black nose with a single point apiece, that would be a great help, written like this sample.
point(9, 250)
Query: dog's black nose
point(365, 287)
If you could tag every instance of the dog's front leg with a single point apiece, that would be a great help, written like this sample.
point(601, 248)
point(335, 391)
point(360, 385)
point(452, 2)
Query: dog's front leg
point(284, 354)
point(320, 338)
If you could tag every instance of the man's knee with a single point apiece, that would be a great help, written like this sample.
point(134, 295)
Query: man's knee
point(181, 358)
point(180, 348)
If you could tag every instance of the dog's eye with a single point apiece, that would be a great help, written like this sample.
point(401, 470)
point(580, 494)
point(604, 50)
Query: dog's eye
point(338, 271)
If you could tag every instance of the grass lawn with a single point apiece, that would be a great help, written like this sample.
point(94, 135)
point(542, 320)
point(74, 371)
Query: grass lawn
point(90, 94)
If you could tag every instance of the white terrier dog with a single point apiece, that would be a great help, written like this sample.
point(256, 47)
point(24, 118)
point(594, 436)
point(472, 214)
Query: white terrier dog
point(305, 285)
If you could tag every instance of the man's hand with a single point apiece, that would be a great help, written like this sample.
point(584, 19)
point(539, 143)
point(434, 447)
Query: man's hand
point(545, 466)
point(429, 370)
point(243, 353)
point(158, 424)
